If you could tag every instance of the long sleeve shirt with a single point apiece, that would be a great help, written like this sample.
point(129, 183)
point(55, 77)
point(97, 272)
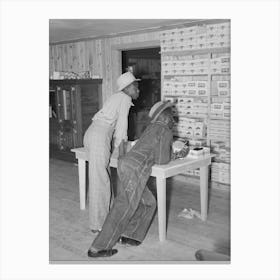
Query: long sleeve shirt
point(115, 112)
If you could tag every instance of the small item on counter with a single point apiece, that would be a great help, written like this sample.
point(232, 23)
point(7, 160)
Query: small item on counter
point(199, 151)
point(196, 152)
point(180, 149)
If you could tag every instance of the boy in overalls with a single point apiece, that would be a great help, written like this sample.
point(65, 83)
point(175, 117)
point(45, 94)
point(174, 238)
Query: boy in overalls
point(133, 209)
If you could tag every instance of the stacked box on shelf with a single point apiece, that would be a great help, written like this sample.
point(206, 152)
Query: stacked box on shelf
point(220, 97)
point(220, 110)
point(179, 86)
point(220, 172)
point(196, 37)
point(183, 65)
point(179, 39)
point(185, 89)
point(220, 64)
point(219, 130)
point(221, 151)
point(188, 106)
point(218, 35)
point(189, 128)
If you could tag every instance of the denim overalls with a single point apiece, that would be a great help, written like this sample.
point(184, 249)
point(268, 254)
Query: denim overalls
point(134, 206)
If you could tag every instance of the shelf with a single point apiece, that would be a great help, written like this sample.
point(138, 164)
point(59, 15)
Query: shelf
point(190, 138)
point(191, 117)
point(217, 96)
point(219, 74)
point(184, 75)
point(75, 81)
point(187, 96)
point(219, 119)
point(195, 52)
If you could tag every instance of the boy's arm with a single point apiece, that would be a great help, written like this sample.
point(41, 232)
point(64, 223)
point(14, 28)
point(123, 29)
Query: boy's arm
point(122, 149)
point(165, 148)
point(122, 123)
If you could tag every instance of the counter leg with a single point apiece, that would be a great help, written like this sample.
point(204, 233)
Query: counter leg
point(204, 192)
point(82, 183)
point(161, 204)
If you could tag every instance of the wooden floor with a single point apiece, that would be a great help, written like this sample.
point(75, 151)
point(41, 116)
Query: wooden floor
point(70, 237)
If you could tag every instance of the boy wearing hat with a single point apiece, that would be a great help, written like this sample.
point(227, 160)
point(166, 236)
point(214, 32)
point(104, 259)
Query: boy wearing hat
point(134, 206)
point(110, 123)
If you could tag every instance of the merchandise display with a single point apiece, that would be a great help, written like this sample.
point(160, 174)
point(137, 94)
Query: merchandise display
point(196, 78)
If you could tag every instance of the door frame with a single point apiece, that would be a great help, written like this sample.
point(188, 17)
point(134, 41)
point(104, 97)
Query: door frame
point(116, 58)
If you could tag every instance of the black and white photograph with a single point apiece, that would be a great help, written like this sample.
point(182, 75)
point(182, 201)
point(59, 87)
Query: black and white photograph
point(139, 140)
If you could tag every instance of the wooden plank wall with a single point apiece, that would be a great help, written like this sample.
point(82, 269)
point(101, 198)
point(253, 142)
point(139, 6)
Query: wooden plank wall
point(98, 55)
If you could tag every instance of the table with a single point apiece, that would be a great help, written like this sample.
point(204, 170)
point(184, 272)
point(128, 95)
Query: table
point(161, 172)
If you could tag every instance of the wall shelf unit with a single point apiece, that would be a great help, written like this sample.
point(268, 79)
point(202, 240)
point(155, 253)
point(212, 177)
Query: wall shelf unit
point(190, 65)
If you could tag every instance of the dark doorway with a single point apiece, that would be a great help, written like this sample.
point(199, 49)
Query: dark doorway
point(145, 64)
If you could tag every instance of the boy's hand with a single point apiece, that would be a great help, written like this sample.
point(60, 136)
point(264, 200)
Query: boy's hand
point(122, 149)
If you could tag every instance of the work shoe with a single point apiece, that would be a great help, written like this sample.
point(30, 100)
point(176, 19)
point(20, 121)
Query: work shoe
point(102, 253)
point(125, 240)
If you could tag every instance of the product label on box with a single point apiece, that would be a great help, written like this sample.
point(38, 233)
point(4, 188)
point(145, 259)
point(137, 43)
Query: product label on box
point(202, 92)
point(223, 92)
point(223, 84)
point(191, 92)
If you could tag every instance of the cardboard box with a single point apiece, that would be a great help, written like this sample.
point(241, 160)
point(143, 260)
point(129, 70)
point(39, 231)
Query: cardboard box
point(189, 106)
point(223, 44)
point(217, 107)
point(182, 100)
point(201, 45)
point(225, 70)
point(203, 110)
point(198, 134)
point(199, 114)
point(211, 28)
point(215, 70)
point(201, 84)
point(202, 92)
point(197, 142)
point(201, 70)
point(224, 93)
point(191, 63)
point(226, 115)
point(216, 115)
point(199, 126)
point(189, 133)
point(226, 106)
point(191, 31)
point(223, 85)
point(191, 46)
point(225, 59)
point(211, 45)
point(189, 100)
point(171, 99)
point(192, 92)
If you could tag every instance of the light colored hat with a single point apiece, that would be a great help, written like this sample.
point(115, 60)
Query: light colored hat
point(125, 80)
point(158, 108)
